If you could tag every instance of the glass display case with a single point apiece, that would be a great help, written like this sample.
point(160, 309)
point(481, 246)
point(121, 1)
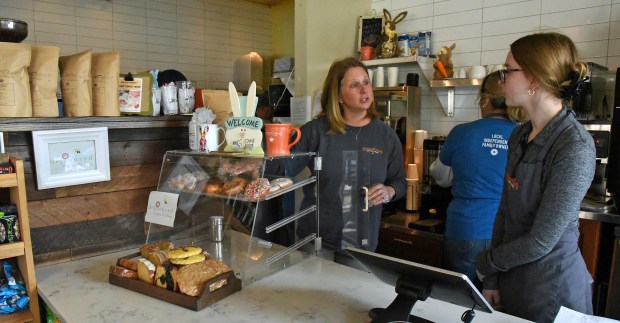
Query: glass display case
point(256, 200)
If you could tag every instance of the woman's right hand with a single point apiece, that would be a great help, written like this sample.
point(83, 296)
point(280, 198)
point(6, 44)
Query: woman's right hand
point(492, 296)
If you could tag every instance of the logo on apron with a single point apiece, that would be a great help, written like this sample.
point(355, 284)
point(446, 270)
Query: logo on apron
point(512, 182)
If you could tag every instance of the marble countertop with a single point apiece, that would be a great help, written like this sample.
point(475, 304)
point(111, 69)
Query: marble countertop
point(314, 290)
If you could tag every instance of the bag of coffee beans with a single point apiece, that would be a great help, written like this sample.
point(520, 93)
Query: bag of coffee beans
point(76, 84)
point(104, 72)
point(14, 85)
point(43, 72)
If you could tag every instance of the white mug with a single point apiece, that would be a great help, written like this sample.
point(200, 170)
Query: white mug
point(392, 76)
point(209, 140)
point(380, 77)
point(370, 75)
point(477, 72)
point(462, 74)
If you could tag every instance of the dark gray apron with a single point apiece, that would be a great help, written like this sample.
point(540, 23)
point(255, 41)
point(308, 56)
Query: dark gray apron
point(536, 290)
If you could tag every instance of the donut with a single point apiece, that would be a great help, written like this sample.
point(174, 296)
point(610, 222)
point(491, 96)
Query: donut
point(234, 186)
point(279, 183)
point(188, 260)
point(213, 186)
point(184, 252)
point(257, 188)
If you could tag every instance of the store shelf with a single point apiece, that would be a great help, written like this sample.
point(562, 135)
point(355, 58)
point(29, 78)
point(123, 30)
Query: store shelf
point(450, 84)
point(391, 61)
point(18, 317)
point(21, 250)
point(11, 250)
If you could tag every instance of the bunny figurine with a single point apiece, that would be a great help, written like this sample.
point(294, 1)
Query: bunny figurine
point(243, 128)
point(443, 65)
point(389, 46)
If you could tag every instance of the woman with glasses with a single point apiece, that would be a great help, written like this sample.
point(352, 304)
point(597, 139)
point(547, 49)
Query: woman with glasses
point(534, 265)
point(472, 161)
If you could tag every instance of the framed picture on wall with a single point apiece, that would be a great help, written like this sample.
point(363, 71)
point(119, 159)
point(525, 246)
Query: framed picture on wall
point(369, 29)
point(71, 156)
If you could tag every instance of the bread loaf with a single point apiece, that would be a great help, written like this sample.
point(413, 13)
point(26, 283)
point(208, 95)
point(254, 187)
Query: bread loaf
point(126, 263)
point(123, 272)
point(193, 278)
point(146, 271)
point(165, 277)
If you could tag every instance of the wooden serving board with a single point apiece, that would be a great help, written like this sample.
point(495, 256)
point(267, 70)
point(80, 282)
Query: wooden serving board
point(193, 303)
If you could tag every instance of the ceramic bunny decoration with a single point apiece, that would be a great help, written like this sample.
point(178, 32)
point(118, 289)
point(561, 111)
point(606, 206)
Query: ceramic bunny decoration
point(389, 45)
point(443, 66)
point(243, 128)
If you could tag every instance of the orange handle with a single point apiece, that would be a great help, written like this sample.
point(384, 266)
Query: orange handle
point(441, 68)
point(297, 137)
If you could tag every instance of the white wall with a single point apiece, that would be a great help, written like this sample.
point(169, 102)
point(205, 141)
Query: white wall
point(483, 30)
point(200, 38)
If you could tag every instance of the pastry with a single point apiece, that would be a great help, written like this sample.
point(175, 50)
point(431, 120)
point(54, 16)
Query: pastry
point(164, 245)
point(164, 277)
point(123, 272)
point(193, 278)
point(234, 186)
point(146, 249)
point(184, 252)
point(146, 271)
point(157, 258)
point(257, 188)
point(128, 264)
point(280, 183)
point(213, 186)
point(188, 260)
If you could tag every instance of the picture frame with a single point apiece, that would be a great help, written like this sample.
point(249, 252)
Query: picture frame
point(369, 28)
point(71, 156)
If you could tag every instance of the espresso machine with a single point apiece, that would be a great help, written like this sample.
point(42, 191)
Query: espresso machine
point(593, 112)
point(400, 108)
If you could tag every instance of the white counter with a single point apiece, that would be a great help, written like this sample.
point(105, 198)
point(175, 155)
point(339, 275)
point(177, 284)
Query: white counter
point(315, 290)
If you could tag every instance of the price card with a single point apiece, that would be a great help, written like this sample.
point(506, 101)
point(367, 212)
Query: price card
point(162, 208)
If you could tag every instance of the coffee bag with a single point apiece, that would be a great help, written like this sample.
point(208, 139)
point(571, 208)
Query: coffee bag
point(43, 72)
point(76, 84)
point(15, 98)
point(104, 72)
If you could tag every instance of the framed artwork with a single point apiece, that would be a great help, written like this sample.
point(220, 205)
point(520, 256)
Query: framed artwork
point(71, 156)
point(369, 31)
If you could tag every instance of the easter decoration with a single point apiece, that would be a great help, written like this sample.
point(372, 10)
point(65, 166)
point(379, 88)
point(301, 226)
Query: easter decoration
point(389, 45)
point(443, 65)
point(243, 128)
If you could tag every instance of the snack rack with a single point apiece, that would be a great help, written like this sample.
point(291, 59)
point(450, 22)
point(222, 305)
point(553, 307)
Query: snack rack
point(259, 233)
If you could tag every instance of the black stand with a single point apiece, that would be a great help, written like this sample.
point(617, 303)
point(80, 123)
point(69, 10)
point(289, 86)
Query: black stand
point(409, 292)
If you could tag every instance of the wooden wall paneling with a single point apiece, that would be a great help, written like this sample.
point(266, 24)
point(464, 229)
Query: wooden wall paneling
point(589, 243)
point(87, 207)
point(77, 240)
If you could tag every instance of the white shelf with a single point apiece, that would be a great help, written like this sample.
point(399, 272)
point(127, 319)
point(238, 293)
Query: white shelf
point(398, 60)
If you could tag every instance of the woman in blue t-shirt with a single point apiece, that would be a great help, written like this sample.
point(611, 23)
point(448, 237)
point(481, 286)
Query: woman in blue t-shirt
point(472, 161)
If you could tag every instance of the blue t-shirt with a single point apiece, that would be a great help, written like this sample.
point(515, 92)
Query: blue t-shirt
point(477, 153)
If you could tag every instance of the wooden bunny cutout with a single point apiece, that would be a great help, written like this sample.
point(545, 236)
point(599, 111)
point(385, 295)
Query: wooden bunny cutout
point(243, 128)
point(443, 65)
point(389, 46)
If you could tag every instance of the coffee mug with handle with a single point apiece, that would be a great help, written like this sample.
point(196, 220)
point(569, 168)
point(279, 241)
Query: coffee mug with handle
point(209, 139)
point(278, 138)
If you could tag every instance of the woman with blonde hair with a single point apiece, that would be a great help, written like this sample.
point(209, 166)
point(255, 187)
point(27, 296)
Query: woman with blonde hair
point(357, 150)
point(534, 265)
point(472, 161)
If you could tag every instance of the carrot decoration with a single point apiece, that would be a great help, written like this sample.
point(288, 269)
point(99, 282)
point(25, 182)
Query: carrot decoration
point(442, 69)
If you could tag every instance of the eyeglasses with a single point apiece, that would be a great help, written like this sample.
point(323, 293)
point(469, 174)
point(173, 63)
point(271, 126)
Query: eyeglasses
point(503, 72)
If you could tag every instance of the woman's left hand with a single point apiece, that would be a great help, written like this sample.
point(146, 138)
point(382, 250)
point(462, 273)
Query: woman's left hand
point(380, 194)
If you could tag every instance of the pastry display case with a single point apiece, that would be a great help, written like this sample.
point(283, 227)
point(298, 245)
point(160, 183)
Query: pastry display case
point(256, 201)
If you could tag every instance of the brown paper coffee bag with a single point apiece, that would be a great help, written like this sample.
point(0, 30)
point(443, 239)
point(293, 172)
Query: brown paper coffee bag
point(43, 72)
point(104, 71)
point(76, 84)
point(15, 98)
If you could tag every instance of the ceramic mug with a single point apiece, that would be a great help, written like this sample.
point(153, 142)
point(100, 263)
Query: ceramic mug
point(278, 138)
point(477, 72)
point(209, 140)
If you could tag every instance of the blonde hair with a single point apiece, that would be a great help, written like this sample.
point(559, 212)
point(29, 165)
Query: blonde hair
point(551, 59)
point(330, 106)
point(491, 89)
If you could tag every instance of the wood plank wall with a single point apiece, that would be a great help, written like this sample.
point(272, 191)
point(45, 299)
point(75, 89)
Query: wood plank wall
point(79, 221)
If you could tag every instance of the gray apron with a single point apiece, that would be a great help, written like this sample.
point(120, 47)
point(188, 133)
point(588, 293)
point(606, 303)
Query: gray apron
point(536, 290)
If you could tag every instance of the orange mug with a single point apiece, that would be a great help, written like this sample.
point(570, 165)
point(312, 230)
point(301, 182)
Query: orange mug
point(278, 138)
point(366, 53)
